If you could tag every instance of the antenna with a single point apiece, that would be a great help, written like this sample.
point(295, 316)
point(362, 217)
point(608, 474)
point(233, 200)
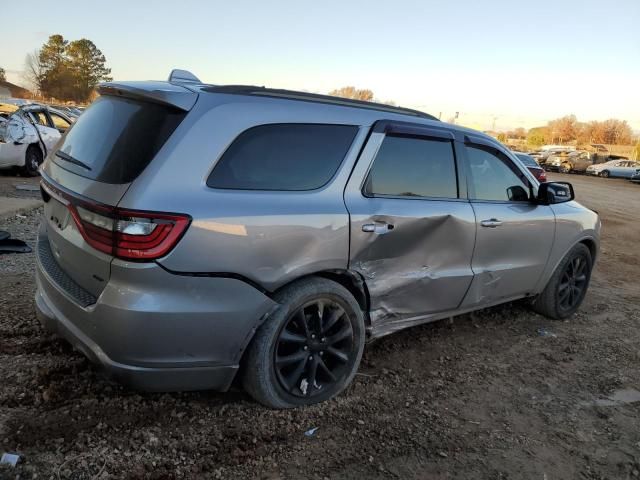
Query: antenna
point(183, 76)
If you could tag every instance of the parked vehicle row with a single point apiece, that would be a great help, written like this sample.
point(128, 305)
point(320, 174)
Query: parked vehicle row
point(217, 231)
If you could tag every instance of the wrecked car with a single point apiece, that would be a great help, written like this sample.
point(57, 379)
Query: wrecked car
point(216, 232)
point(28, 134)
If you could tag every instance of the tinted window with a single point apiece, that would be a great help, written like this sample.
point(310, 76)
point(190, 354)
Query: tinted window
point(283, 157)
point(413, 167)
point(117, 138)
point(494, 175)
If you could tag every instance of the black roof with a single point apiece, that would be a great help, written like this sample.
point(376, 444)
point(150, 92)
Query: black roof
point(313, 97)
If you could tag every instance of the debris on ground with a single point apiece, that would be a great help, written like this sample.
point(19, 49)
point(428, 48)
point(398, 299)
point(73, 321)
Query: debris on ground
point(619, 397)
point(12, 245)
point(28, 187)
point(543, 332)
point(9, 459)
point(311, 432)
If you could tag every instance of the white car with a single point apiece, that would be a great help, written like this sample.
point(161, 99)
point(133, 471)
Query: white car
point(614, 168)
point(28, 134)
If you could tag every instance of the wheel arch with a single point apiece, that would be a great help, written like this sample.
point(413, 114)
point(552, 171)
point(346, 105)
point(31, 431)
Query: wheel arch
point(349, 279)
point(590, 243)
point(26, 150)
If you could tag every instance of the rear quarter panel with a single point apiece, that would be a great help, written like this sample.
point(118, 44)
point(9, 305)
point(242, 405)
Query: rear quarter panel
point(268, 237)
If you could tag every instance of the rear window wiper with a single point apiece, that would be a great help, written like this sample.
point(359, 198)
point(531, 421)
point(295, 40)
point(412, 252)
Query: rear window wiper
point(70, 159)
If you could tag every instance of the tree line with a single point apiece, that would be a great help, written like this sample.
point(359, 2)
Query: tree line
point(67, 70)
point(569, 129)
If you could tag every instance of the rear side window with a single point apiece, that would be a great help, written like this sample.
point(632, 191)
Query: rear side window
point(283, 157)
point(116, 138)
point(413, 167)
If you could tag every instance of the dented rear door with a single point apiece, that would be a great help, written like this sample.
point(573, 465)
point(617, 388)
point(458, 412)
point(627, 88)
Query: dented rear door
point(412, 230)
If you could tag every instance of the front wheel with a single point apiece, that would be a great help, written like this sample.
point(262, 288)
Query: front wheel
point(309, 350)
point(567, 286)
point(32, 160)
point(605, 174)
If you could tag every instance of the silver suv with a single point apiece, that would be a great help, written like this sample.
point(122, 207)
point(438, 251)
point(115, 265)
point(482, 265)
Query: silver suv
point(193, 234)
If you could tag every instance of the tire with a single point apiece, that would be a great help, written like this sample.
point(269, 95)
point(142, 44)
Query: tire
point(32, 160)
point(288, 383)
point(560, 299)
point(605, 174)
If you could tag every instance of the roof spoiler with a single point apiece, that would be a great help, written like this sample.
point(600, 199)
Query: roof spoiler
point(164, 93)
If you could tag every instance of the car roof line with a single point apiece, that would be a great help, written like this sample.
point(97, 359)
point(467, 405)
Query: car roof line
point(253, 90)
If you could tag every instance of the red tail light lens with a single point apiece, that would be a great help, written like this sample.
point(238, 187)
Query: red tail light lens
point(123, 233)
point(542, 177)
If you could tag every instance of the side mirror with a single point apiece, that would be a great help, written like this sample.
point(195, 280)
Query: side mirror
point(550, 193)
point(517, 194)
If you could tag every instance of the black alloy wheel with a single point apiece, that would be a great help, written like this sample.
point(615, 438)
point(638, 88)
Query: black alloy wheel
point(313, 348)
point(573, 283)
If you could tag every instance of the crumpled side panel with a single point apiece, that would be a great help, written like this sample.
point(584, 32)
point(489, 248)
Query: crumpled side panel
point(422, 266)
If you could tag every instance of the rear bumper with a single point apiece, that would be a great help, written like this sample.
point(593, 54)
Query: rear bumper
point(156, 331)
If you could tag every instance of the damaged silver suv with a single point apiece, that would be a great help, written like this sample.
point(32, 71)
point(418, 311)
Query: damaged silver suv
point(194, 233)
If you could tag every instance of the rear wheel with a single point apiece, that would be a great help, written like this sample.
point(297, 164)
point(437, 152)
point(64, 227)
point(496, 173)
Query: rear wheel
point(32, 160)
point(568, 286)
point(309, 350)
point(605, 174)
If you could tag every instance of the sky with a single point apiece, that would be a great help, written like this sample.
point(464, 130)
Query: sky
point(499, 63)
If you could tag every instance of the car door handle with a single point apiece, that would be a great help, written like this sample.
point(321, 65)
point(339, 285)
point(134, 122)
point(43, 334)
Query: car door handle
point(379, 228)
point(491, 223)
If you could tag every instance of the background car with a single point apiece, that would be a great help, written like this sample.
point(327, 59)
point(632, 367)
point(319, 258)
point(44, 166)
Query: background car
point(576, 162)
point(532, 166)
point(615, 168)
point(28, 134)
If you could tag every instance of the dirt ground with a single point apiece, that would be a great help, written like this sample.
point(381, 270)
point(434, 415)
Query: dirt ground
point(500, 394)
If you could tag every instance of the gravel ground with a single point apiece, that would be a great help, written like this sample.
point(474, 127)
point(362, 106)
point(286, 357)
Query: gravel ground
point(499, 394)
point(8, 182)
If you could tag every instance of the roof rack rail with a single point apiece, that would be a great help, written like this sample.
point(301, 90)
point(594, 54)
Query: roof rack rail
point(313, 97)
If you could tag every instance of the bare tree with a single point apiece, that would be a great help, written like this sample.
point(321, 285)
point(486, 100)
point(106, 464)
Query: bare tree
point(353, 93)
point(33, 71)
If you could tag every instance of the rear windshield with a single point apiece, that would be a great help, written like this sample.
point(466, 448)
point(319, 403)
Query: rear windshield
point(527, 161)
point(116, 138)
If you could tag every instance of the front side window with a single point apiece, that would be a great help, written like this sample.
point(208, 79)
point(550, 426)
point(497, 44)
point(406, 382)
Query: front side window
point(494, 177)
point(413, 167)
point(285, 157)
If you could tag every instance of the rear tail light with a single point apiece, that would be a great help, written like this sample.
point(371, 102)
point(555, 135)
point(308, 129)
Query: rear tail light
point(542, 177)
point(123, 233)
